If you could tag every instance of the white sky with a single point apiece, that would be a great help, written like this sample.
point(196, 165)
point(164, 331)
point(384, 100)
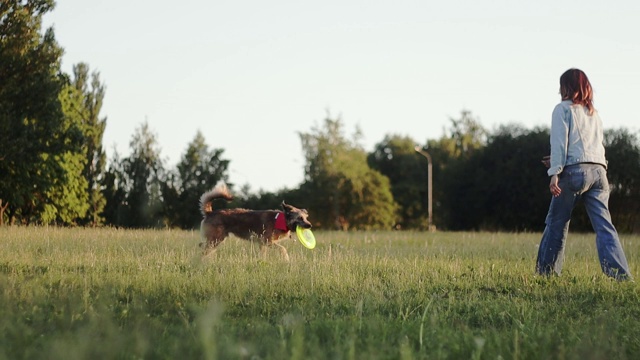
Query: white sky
point(251, 75)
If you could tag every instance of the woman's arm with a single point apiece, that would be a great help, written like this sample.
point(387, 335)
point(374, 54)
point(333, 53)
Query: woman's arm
point(559, 139)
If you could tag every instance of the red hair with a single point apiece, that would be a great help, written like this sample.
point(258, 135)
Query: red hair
point(575, 86)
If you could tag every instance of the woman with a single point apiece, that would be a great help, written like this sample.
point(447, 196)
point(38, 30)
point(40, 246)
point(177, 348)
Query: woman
point(578, 171)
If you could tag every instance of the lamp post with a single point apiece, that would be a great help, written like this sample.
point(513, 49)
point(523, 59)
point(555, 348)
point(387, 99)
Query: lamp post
point(429, 189)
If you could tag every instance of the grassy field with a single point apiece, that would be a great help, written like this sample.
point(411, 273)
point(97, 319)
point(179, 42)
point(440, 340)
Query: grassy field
point(124, 294)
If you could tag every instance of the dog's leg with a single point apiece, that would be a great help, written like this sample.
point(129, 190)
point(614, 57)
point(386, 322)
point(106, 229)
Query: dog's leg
point(211, 236)
point(263, 250)
point(283, 251)
point(203, 237)
point(208, 250)
point(211, 246)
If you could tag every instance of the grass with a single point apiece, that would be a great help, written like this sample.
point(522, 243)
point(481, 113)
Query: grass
point(72, 293)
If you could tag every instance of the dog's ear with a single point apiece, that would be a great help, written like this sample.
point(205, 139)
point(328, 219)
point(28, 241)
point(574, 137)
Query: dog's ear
point(288, 208)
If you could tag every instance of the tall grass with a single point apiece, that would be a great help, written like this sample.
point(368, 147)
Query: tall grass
point(106, 293)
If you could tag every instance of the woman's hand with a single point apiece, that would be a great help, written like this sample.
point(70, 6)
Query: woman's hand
point(553, 186)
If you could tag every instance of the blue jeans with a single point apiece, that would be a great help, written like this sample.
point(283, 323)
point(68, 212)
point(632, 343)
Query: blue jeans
point(586, 182)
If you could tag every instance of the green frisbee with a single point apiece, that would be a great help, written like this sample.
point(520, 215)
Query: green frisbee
point(306, 237)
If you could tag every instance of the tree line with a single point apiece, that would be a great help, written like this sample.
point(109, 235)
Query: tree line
point(53, 168)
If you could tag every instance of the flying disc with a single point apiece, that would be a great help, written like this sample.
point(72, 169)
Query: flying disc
point(306, 237)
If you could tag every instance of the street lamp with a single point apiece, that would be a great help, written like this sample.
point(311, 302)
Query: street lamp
point(429, 190)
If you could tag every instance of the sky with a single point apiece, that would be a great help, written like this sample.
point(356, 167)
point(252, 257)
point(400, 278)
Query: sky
point(253, 75)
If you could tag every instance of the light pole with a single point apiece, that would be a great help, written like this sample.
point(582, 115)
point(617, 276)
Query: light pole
point(430, 187)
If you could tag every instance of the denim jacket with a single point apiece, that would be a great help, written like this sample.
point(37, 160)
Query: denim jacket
point(576, 137)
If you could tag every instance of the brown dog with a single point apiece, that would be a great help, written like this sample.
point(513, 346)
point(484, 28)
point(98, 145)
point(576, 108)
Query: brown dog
point(266, 226)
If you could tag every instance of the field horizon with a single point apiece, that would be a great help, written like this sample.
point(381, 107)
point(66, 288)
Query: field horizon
point(77, 293)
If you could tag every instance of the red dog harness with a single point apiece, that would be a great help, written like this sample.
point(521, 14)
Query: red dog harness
point(281, 223)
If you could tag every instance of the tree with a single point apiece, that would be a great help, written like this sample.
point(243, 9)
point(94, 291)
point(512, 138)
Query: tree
point(198, 171)
point(114, 191)
point(343, 191)
point(464, 137)
point(68, 196)
point(395, 157)
point(143, 171)
point(88, 95)
point(38, 163)
point(467, 134)
point(623, 154)
point(501, 186)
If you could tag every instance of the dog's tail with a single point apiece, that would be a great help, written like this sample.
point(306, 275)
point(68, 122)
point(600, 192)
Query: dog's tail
point(220, 191)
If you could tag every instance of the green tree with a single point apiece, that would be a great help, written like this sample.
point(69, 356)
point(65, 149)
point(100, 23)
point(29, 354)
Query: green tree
point(68, 195)
point(88, 95)
point(501, 186)
point(143, 171)
point(467, 134)
point(38, 163)
point(464, 137)
point(343, 191)
point(395, 157)
point(114, 191)
point(623, 153)
point(198, 171)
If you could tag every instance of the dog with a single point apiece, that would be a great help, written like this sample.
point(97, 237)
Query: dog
point(268, 227)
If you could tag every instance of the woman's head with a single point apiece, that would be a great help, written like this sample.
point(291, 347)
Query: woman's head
point(575, 86)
